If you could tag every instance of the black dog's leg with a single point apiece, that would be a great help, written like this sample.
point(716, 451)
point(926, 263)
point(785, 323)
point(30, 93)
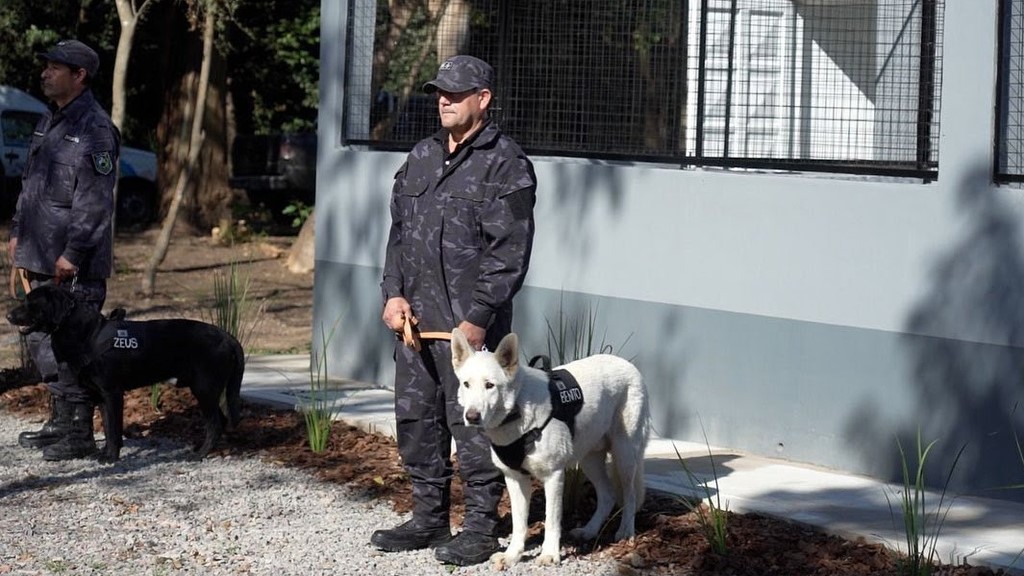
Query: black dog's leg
point(207, 394)
point(113, 426)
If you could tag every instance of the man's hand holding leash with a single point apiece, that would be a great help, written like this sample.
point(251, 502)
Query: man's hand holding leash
point(399, 318)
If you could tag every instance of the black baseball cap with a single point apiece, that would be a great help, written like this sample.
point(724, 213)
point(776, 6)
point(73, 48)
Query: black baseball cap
point(461, 73)
point(74, 54)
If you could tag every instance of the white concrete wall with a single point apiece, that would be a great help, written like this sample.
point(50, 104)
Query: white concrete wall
point(781, 300)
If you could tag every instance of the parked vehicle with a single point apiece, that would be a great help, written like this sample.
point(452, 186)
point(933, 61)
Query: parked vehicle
point(19, 114)
point(275, 170)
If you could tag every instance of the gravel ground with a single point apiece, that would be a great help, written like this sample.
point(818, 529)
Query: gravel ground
point(157, 513)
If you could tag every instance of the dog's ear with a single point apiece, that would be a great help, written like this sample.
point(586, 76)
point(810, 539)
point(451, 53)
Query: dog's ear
point(63, 303)
point(461, 350)
point(507, 354)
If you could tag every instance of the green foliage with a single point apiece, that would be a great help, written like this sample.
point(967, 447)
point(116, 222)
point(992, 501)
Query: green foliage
point(274, 58)
point(404, 56)
point(271, 48)
point(154, 396)
point(233, 310)
point(712, 515)
point(317, 410)
point(299, 211)
point(573, 337)
point(921, 526)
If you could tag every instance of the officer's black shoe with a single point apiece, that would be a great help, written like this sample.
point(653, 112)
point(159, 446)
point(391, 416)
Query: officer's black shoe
point(57, 427)
point(79, 441)
point(410, 536)
point(467, 548)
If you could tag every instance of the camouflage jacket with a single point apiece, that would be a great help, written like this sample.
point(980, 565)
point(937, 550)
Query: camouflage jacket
point(461, 231)
point(67, 193)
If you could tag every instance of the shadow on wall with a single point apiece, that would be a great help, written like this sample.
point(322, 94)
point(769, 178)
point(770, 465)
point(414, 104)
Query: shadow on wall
point(969, 390)
point(354, 224)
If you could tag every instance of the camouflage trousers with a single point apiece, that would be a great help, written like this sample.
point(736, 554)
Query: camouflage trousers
point(59, 378)
point(428, 417)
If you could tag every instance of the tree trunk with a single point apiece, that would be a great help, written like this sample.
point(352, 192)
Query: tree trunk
point(194, 149)
point(129, 18)
point(207, 199)
point(452, 27)
point(439, 14)
point(301, 254)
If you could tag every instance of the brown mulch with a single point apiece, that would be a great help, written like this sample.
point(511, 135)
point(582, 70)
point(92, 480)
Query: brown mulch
point(669, 540)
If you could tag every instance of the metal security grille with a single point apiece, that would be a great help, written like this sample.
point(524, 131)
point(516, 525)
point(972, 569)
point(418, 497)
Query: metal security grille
point(828, 85)
point(1010, 135)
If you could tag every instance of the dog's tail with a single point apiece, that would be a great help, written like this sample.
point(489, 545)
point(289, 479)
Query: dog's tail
point(636, 423)
point(232, 405)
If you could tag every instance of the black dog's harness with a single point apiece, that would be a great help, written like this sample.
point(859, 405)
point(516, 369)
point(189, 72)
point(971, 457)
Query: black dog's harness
point(118, 339)
point(566, 403)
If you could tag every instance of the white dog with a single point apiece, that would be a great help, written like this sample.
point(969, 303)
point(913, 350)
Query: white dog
point(539, 426)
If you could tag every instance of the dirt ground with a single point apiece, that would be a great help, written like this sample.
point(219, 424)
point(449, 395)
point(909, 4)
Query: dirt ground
point(669, 539)
point(184, 287)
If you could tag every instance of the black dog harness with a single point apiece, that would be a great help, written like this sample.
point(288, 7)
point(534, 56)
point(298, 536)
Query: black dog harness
point(566, 403)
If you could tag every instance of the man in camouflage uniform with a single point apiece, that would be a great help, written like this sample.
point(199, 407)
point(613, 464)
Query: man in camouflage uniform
point(458, 251)
point(61, 230)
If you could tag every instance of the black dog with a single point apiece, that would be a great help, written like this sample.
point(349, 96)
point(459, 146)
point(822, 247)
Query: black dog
point(112, 355)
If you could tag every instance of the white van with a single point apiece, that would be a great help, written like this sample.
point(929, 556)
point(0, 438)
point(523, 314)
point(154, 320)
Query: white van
point(19, 114)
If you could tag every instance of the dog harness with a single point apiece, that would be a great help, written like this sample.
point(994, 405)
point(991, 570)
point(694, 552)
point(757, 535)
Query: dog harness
point(121, 340)
point(566, 403)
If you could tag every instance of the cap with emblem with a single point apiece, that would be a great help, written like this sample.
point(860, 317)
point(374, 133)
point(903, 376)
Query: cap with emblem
point(75, 54)
point(461, 73)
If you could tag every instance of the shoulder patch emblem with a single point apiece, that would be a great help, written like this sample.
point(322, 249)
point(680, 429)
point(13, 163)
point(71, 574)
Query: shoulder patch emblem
point(103, 163)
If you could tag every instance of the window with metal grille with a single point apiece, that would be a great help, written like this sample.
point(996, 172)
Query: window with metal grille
point(830, 85)
point(1010, 113)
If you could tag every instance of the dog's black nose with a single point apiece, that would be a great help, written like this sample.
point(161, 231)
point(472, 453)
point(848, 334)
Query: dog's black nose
point(472, 417)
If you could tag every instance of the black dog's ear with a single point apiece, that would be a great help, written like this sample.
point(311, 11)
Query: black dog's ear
point(117, 314)
point(54, 303)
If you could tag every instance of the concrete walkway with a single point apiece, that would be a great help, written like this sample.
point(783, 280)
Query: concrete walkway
point(977, 530)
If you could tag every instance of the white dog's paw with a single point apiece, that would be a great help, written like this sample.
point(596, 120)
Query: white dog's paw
point(549, 559)
point(504, 560)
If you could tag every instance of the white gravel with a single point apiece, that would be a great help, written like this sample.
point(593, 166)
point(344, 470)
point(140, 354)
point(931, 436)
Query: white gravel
point(156, 513)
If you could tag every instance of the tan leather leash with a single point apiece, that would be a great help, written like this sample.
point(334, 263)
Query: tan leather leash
point(411, 336)
point(16, 275)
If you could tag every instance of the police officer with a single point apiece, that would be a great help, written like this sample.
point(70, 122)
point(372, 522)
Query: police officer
point(458, 251)
point(61, 231)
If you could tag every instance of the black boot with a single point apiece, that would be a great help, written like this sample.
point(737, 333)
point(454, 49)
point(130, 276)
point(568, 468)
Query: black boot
point(79, 442)
point(53, 430)
point(467, 548)
point(410, 536)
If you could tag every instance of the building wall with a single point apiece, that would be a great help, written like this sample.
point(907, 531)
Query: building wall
point(805, 317)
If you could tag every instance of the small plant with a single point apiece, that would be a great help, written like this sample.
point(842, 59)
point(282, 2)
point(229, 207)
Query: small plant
point(921, 526)
point(299, 212)
point(571, 339)
point(317, 411)
point(233, 309)
point(575, 484)
point(712, 515)
point(154, 397)
point(1020, 455)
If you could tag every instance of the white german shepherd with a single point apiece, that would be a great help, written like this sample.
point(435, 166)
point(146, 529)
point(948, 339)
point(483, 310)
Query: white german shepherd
point(515, 407)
